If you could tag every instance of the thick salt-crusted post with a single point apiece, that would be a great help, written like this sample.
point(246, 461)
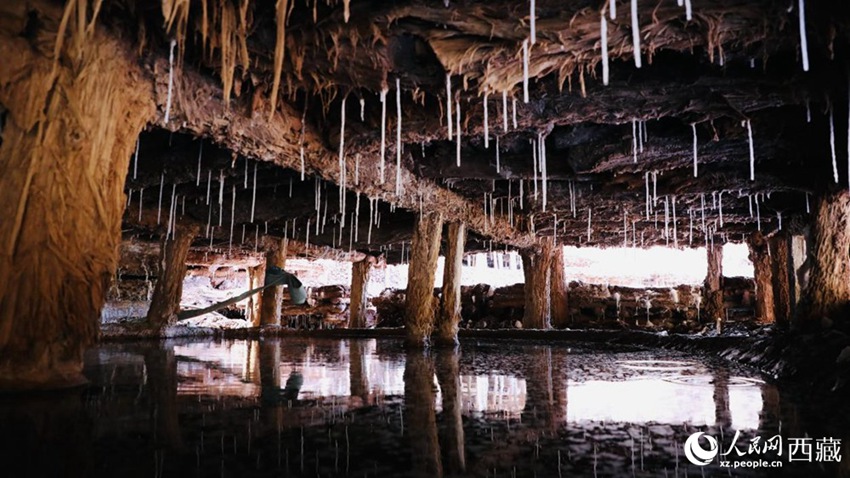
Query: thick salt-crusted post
point(257, 277)
point(762, 273)
point(828, 292)
point(712, 288)
point(71, 126)
point(165, 302)
point(451, 430)
point(449, 317)
point(359, 280)
point(781, 269)
point(424, 250)
point(536, 263)
point(558, 289)
point(272, 298)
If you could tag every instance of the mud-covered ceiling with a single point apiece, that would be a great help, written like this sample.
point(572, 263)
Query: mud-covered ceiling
point(719, 132)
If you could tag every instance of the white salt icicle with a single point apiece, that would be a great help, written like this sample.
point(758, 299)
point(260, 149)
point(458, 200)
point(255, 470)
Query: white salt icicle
point(136, 160)
point(612, 9)
point(779, 220)
point(346, 6)
point(690, 226)
point(200, 154)
point(750, 203)
point(209, 184)
point(832, 145)
point(667, 217)
point(758, 213)
point(486, 123)
point(804, 42)
point(525, 71)
point(654, 189)
point(159, 204)
point(449, 103)
point(680, 2)
point(169, 230)
point(646, 181)
point(362, 109)
point(256, 237)
point(808, 112)
point(357, 169)
point(521, 194)
point(694, 129)
point(702, 210)
point(356, 217)
point(220, 198)
point(720, 207)
point(688, 11)
point(603, 41)
point(232, 217)
point(636, 34)
point(634, 141)
point(383, 132)
point(588, 224)
point(307, 236)
point(170, 82)
point(129, 198)
point(675, 229)
point(302, 162)
point(243, 234)
point(752, 152)
point(245, 185)
point(505, 111)
point(808, 210)
point(342, 141)
point(371, 215)
point(290, 187)
point(533, 23)
point(543, 171)
point(534, 161)
point(399, 146)
point(254, 194)
point(142, 197)
point(457, 132)
point(498, 165)
point(640, 135)
point(513, 112)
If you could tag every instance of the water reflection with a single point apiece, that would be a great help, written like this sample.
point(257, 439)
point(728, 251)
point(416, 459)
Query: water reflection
point(368, 408)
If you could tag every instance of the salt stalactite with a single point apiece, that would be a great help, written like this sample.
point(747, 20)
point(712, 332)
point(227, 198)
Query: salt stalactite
point(371, 220)
point(636, 34)
point(690, 226)
point(603, 41)
point(220, 197)
point(640, 135)
point(232, 217)
point(521, 194)
point(498, 165)
point(808, 209)
point(688, 11)
point(832, 145)
point(307, 236)
point(505, 111)
point(136, 160)
point(399, 146)
point(750, 203)
point(808, 112)
point(573, 198)
point(209, 184)
point(362, 109)
point(142, 197)
point(346, 7)
point(168, 229)
point(524, 71)
point(675, 228)
point(243, 234)
point(646, 181)
point(720, 207)
point(457, 132)
point(702, 210)
point(758, 213)
point(654, 189)
point(588, 224)
point(383, 133)
point(625, 232)
point(513, 112)
point(804, 41)
point(694, 129)
point(486, 123)
point(543, 173)
point(170, 82)
point(634, 141)
point(356, 217)
point(357, 169)
point(290, 187)
point(302, 161)
point(245, 185)
point(159, 204)
point(752, 152)
point(256, 237)
point(449, 103)
point(779, 220)
point(666, 218)
point(254, 194)
point(342, 143)
point(200, 154)
point(612, 9)
point(534, 162)
point(533, 23)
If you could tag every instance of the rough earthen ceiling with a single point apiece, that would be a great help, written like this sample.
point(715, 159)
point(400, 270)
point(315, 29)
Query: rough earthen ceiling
point(619, 159)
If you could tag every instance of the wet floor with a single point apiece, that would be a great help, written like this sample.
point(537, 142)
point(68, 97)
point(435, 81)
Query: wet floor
point(367, 408)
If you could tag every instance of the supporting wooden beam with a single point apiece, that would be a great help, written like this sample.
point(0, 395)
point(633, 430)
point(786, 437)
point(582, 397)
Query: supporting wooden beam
point(781, 267)
point(449, 317)
point(762, 273)
point(359, 300)
point(712, 288)
point(257, 277)
point(165, 302)
point(272, 298)
point(424, 251)
point(828, 292)
point(559, 302)
point(536, 263)
point(71, 126)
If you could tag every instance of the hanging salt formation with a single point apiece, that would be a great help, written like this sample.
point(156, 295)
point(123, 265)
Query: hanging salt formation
point(808, 210)
point(779, 220)
point(804, 42)
point(533, 24)
point(342, 146)
point(254, 194)
point(832, 145)
point(220, 197)
point(634, 141)
point(486, 123)
point(513, 111)
point(209, 184)
point(534, 161)
point(524, 72)
point(170, 82)
point(720, 207)
point(383, 132)
point(245, 185)
point(588, 224)
point(694, 129)
point(449, 104)
point(688, 10)
point(398, 137)
point(505, 111)
point(636, 34)
point(612, 9)
point(498, 166)
point(168, 229)
point(752, 152)
point(232, 217)
point(603, 39)
point(543, 174)
point(457, 131)
point(675, 228)
point(159, 204)
point(521, 194)
point(758, 213)
point(200, 154)
point(362, 109)
point(646, 181)
point(136, 160)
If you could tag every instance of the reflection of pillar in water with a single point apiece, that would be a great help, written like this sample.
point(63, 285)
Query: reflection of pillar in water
point(251, 371)
point(357, 370)
point(559, 386)
point(540, 397)
point(771, 413)
point(161, 367)
point(420, 414)
point(451, 432)
point(722, 415)
point(269, 364)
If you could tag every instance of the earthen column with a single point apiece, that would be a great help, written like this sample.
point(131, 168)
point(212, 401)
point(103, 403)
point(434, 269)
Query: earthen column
point(449, 317)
